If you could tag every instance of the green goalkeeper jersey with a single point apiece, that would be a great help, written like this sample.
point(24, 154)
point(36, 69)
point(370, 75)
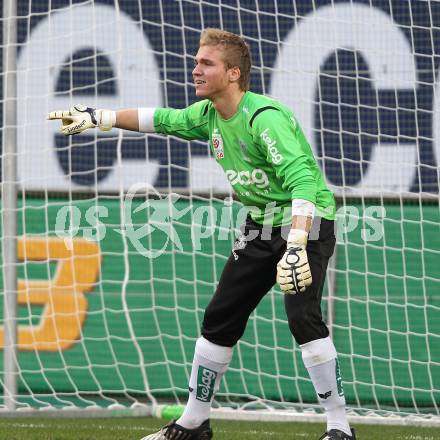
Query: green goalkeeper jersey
point(263, 151)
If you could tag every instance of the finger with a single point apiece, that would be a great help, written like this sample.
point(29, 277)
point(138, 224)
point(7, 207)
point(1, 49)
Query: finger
point(59, 114)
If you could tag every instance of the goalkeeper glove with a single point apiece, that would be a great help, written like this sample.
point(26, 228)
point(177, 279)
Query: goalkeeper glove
point(293, 270)
point(80, 118)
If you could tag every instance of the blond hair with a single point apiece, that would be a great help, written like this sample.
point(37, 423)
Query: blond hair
point(236, 52)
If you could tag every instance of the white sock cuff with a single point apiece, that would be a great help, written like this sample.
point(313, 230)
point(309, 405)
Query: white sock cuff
point(318, 352)
point(213, 352)
point(146, 119)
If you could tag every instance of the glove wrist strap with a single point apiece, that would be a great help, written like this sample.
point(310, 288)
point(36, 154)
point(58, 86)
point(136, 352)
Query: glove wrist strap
point(106, 119)
point(297, 237)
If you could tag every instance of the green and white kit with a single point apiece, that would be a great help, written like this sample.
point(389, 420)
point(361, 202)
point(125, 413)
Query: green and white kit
point(263, 151)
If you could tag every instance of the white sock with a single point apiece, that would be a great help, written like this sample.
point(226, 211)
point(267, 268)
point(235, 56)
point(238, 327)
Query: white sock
point(209, 364)
point(320, 359)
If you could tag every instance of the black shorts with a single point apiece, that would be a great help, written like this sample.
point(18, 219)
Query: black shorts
point(250, 273)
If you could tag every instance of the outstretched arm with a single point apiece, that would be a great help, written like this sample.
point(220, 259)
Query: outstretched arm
point(80, 118)
point(188, 123)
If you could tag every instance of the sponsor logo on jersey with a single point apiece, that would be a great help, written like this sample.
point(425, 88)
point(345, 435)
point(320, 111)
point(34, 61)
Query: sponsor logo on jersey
point(205, 384)
point(270, 143)
point(255, 177)
point(217, 143)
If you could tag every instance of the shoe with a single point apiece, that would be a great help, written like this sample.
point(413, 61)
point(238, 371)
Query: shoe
point(335, 434)
point(173, 431)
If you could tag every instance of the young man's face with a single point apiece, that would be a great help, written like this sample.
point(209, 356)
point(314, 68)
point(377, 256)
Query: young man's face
point(211, 77)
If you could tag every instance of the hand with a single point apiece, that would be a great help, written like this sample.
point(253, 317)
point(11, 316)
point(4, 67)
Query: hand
point(80, 118)
point(293, 270)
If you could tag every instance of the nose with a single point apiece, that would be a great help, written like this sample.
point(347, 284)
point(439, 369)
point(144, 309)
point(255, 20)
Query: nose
point(196, 70)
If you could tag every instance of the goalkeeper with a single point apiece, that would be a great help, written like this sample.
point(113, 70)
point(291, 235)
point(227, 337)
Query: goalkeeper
point(262, 149)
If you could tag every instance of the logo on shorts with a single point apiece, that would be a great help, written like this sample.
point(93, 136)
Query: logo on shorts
point(205, 384)
point(240, 243)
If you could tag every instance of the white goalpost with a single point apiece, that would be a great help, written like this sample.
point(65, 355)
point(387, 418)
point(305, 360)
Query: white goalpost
point(93, 225)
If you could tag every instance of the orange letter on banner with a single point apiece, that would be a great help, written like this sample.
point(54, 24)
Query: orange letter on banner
point(65, 304)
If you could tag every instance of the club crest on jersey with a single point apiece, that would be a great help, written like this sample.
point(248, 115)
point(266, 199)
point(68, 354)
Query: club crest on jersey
point(217, 143)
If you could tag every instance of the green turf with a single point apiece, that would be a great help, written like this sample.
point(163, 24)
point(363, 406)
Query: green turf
point(136, 428)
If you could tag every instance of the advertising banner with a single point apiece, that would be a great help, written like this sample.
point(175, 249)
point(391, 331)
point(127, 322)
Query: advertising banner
point(361, 77)
point(107, 309)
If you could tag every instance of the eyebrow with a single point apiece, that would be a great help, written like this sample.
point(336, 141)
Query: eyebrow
point(202, 59)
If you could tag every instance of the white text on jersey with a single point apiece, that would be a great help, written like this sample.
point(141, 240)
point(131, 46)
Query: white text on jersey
point(246, 177)
point(276, 156)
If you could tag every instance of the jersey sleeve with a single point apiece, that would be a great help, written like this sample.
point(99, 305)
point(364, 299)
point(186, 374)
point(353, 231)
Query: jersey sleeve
point(189, 123)
point(286, 148)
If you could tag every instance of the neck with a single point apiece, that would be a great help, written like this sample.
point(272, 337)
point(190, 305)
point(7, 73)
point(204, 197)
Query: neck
point(227, 105)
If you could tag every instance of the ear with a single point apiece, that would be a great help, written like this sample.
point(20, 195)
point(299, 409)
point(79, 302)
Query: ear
point(234, 74)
